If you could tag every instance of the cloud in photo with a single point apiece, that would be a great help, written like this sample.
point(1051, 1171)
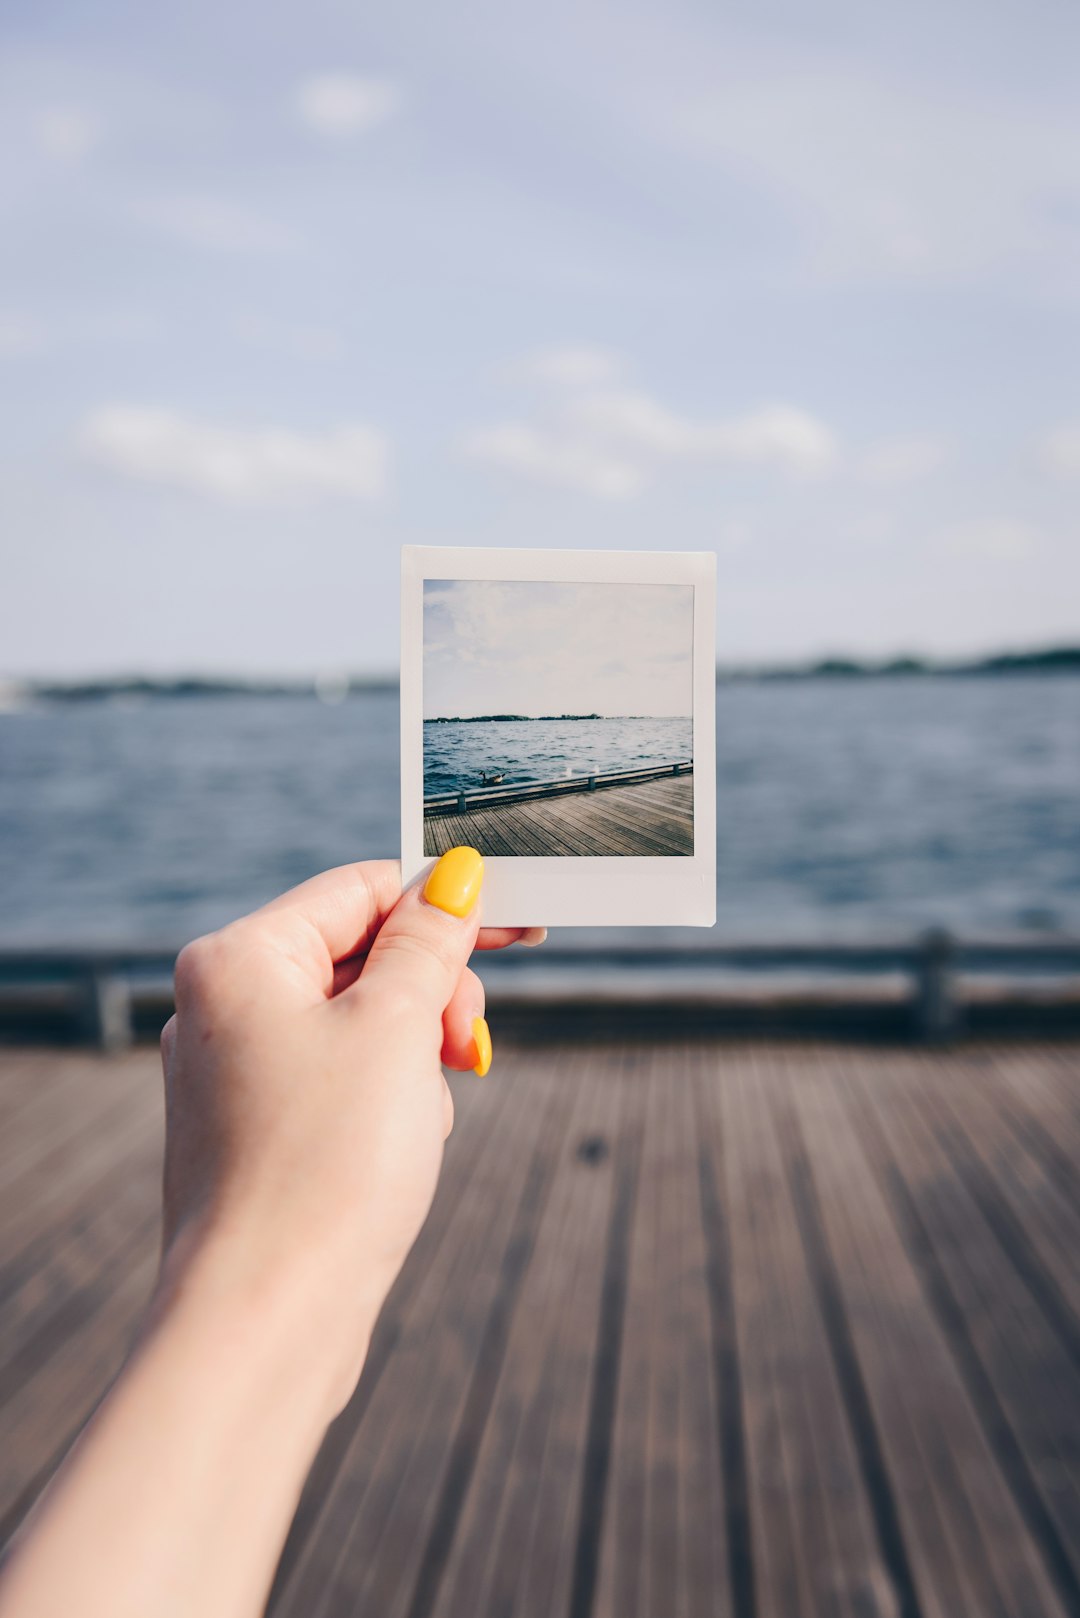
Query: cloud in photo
point(538, 648)
point(996, 539)
point(341, 106)
point(248, 465)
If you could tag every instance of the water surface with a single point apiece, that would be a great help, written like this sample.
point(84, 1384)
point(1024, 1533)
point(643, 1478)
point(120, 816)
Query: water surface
point(843, 808)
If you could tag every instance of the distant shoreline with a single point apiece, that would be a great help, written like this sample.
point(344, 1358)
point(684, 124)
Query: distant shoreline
point(554, 718)
point(1053, 660)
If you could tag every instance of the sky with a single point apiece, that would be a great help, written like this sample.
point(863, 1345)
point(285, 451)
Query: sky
point(285, 287)
point(541, 649)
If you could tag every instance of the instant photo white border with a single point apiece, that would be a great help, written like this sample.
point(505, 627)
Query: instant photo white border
point(564, 891)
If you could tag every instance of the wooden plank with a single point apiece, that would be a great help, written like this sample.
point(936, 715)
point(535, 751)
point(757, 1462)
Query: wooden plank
point(809, 1322)
point(1043, 1112)
point(515, 1541)
point(970, 1546)
point(655, 817)
point(480, 1109)
point(369, 1540)
point(814, 1535)
point(663, 1546)
point(1009, 1176)
point(1019, 1375)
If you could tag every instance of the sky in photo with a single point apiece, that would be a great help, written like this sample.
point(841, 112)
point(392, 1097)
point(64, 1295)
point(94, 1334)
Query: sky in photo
point(284, 287)
point(542, 649)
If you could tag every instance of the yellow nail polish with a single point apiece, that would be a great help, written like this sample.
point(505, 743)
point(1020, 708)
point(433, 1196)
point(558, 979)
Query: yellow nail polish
point(454, 884)
point(481, 1034)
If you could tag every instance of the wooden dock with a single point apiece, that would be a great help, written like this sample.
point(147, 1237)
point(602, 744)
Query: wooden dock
point(694, 1329)
point(653, 814)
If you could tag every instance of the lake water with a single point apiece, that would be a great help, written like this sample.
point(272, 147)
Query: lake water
point(843, 807)
point(458, 756)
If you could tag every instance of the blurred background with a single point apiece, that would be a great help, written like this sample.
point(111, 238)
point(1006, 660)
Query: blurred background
point(283, 289)
point(702, 1323)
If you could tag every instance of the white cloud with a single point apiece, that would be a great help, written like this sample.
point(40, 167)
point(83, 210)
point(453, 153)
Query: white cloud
point(1061, 449)
point(342, 105)
point(999, 539)
point(247, 465)
point(297, 340)
point(883, 176)
point(607, 442)
point(549, 457)
point(902, 460)
point(65, 133)
point(218, 225)
point(573, 365)
point(20, 334)
point(778, 435)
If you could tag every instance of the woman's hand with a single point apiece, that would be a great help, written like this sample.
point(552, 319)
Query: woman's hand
point(305, 1103)
point(305, 1117)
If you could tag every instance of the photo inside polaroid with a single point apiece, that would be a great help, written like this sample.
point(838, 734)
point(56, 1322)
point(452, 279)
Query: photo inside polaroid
point(558, 718)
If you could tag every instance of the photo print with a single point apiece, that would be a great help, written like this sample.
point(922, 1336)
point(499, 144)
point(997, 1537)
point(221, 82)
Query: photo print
point(557, 716)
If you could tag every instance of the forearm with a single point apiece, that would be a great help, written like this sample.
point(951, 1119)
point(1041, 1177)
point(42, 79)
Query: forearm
point(178, 1496)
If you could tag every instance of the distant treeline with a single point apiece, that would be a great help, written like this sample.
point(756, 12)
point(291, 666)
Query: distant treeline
point(511, 718)
point(1054, 660)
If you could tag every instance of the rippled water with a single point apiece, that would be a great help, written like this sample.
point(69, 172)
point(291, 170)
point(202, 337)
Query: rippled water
point(842, 807)
point(461, 755)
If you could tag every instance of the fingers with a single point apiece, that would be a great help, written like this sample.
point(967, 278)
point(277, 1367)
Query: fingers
point(465, 1009)
point(501, 937)
point(423, 947)
point(328, 919)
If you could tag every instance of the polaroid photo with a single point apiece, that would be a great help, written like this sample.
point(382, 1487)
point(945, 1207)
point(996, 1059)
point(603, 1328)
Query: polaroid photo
point(557, 713)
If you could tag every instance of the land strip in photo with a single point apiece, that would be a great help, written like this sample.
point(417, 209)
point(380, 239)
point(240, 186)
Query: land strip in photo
point(645, 812)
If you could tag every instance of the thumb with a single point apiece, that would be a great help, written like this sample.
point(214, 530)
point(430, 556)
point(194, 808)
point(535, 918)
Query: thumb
point(424, 944)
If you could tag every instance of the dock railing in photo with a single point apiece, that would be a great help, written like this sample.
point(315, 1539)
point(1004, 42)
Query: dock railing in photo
point(493, 797)
point(931, 989)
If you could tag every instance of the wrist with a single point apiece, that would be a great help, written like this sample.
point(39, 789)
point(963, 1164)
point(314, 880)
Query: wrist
point(272, 1315)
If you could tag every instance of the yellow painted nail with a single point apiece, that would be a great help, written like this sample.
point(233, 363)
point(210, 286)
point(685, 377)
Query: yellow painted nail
point(454, 884)
point(481, 1034)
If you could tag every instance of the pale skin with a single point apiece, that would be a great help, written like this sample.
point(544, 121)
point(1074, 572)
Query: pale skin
point(306, 1113)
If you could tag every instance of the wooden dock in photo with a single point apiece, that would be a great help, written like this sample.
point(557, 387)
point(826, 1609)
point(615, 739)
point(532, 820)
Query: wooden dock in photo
point(727, 1330)
point(631, 812)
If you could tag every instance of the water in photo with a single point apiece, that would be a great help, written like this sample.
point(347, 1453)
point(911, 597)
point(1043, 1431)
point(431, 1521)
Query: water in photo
point(558, 717)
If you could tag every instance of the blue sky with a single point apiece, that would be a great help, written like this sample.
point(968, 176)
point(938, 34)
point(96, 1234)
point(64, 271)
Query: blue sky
point(282, 288)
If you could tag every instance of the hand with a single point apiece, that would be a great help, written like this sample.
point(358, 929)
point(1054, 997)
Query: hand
point(305, 1117)
point(306, 1109)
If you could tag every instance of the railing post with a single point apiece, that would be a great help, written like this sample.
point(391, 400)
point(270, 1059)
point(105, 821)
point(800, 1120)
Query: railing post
point(592, 783)
point(461, 803)
point(936, 1013)
point(106, 1011)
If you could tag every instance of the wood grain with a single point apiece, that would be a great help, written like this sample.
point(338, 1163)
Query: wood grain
point(695, 1329)
point(650, 818)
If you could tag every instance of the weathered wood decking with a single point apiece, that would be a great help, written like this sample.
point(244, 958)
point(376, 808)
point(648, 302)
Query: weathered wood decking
point(650, 817)
point(692, 1329)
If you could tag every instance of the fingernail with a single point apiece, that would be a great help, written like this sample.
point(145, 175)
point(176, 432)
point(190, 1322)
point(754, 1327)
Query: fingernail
point(481, 1034)
point(454, 884)
point(532, 936)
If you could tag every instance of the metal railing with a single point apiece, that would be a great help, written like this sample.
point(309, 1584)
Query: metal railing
point(104, 996)
point(450, 803)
